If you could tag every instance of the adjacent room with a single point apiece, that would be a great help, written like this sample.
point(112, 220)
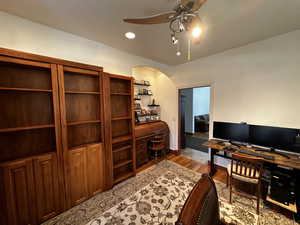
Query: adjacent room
point(194, 108)
point(139, 112)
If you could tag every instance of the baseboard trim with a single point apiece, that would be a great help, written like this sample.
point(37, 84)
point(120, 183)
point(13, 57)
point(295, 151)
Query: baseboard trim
point(175, 151)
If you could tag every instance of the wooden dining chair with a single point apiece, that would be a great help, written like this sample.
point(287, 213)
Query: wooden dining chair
point(245, 169)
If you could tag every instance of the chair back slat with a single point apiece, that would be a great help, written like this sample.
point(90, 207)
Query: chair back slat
point(246, 166)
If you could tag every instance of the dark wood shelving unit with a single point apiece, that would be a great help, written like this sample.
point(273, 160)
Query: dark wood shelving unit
point(124, 163)
point(123, 176)
point(83, 92)
point(24, 89)
point(120, 93)
point(83, 122)
point(82, 132)
point(51, 136)
point(122, 118)
point(15, 129)
point(29, 141)
point(121, 139)
point(121, 127)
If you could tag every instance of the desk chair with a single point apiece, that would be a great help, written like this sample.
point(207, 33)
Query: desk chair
point(246, 169)
point(157, 144)
point(202, 205)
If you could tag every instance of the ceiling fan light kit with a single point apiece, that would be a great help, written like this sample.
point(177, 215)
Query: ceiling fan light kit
point(184, 17)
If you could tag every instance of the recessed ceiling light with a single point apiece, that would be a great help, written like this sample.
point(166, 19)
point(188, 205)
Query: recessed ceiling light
point(130, 35)
point(178, 53)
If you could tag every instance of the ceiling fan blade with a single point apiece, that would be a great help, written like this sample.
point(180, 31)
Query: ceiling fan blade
point(197, 5)
point(156, 19)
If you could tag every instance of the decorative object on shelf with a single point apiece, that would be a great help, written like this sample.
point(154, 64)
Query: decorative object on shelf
point(137, 106)
point(142, 83)
point(137, 97)
point(145, 112)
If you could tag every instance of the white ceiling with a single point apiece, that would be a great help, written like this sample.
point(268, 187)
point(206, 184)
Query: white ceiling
point(228, 23)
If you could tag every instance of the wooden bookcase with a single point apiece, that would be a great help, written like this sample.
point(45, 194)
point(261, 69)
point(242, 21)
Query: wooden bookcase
point(82, 131)
point(29, 141)
point(54, 150)
point(120, 122)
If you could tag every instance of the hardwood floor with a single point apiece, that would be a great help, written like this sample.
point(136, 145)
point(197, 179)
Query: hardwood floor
point(190, 164)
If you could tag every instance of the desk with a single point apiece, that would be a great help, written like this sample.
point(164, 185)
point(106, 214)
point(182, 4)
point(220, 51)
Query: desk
point(216, 147)
point(143, 134)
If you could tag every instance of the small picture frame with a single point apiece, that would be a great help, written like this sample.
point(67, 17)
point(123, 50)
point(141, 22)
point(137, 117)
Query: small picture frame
point(146, 83)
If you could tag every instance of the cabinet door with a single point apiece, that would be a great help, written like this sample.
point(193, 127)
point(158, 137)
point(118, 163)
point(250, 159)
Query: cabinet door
point(94, 164)
point(46, 181)
point(141, 152)
point(77, 176)
point(19, 189)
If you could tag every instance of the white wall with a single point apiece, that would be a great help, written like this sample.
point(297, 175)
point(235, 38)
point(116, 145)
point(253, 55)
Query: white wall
point(23, 35)
point(201, 99)
point(258, 83)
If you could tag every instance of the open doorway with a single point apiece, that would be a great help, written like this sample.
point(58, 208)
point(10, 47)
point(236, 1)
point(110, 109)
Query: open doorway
point(194, 117)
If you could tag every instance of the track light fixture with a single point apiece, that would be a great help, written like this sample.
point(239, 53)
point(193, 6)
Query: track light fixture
point(174, 39)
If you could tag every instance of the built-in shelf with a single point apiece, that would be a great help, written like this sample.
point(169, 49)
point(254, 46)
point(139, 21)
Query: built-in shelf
point(137, 99)
point(152, 121)
point(146, 85)
point(75, 147)
point(291, 207)
point(147, 115)
point(122, 118)
point(144, 94)
point(153, 105)
point(83, 92)
point(121, 139)
point(122, 148)
point(124, 163)
point(120, 93)
point(24, 89)
point(122, 177)
point(83, 122)
point(3, 130)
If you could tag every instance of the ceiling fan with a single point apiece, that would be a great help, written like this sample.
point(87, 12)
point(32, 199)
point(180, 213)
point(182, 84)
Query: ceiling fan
point(184, 17)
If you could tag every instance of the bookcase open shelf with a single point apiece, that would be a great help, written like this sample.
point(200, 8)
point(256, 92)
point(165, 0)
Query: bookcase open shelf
point(122, 132)
point(27, 121)
point(82, 99)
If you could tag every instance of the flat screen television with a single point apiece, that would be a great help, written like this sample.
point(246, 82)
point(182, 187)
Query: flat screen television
point(238, 132)
point(275, 137)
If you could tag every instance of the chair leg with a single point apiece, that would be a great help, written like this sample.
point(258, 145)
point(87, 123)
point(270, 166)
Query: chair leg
point(227, 179)
point(258, 198)
point(230, 190)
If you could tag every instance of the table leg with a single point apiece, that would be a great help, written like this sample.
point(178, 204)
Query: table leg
point(212, 163)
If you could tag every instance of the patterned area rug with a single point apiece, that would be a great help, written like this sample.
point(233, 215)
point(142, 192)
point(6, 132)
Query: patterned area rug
point(156, 196)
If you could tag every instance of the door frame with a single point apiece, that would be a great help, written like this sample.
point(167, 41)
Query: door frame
point(211, 112)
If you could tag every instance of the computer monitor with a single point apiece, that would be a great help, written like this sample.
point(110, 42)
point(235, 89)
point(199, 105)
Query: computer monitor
point(275, 137)
point(238, 132)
